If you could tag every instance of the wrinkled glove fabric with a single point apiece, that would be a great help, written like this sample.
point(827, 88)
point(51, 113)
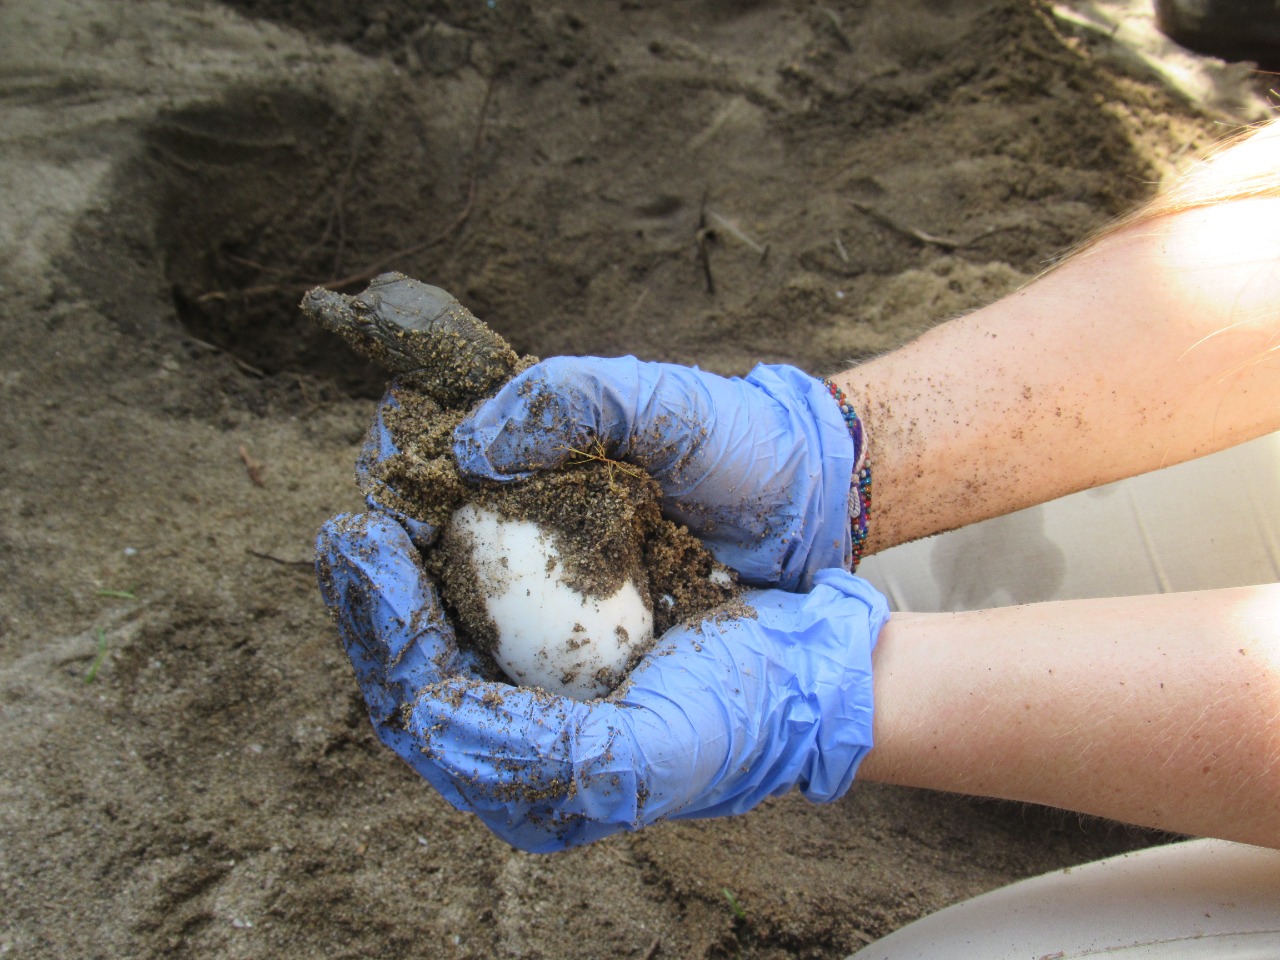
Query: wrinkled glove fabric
point(759, 468)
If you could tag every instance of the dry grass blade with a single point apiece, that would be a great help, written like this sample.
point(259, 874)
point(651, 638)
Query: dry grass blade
point(597, 454)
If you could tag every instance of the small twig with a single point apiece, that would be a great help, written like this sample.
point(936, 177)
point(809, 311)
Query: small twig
point(862, 936)
point(943, 242)
point(246, 366)
point(254, 264)
point(242, 364)
point(844, 254)
point(703, 240)
point(473, 176)
point(653, 949)
point(302, 389)
point(905, 230)
point(252, 467)
point(373, 269)
point(704, 260)
point(994, 230)
point(280, 560)
point(337, 205)
point(836, 28)
point(339, 211)
point(631, 314)
point(258, 291)
point(597, 454)
point(737, 232)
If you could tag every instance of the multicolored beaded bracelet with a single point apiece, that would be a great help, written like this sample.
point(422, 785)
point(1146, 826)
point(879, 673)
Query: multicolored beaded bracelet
point(859, 505)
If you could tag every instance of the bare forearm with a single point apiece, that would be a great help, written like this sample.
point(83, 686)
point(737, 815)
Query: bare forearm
point(1162, 711)
point(1153, 347)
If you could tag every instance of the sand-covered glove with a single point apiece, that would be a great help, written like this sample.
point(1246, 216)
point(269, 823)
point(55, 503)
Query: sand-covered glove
point(380, 445)
point(713, 720)
point(760, 469)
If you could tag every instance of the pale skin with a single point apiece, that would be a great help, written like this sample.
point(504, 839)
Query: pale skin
point(1162, 710)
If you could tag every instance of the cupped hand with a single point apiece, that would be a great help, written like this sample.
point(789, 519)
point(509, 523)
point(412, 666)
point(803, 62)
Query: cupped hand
point(759, 468)
point(713, 720)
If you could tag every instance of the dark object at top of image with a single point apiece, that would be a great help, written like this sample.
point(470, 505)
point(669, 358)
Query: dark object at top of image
point(1230, 29)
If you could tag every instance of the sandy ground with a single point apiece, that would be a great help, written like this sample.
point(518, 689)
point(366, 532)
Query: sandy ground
point(185, 765)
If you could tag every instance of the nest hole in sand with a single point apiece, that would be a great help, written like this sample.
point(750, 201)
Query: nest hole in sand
point(245, 202)
point(248, 212)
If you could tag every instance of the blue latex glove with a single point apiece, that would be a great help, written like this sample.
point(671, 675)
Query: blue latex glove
point(760, 469)
point(378, 445)
point(714, 720)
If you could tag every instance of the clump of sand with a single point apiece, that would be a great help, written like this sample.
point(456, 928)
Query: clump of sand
point(604, 516)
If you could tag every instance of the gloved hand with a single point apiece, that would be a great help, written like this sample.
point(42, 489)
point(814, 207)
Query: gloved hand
point(714, 720)
point(380, 445)
point(760, 469)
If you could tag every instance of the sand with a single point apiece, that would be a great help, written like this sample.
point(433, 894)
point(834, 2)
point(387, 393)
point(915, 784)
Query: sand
point(187, 769)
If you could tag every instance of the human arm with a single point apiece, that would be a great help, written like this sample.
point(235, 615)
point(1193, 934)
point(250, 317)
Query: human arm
point(1154, 345)
point(1162, 711)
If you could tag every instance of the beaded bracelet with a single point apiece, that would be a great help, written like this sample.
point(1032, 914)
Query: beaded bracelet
point(860, 504)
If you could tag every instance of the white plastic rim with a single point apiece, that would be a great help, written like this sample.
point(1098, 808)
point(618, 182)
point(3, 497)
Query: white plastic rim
point(1186, 901)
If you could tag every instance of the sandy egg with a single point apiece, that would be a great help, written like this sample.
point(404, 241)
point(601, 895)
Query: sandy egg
point(549, 634)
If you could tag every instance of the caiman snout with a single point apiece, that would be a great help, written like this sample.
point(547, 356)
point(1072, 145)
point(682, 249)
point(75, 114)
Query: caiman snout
point(407, 326)
point(331, 310)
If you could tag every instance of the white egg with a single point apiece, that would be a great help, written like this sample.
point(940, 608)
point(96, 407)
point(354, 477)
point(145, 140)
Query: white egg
point(549, 634)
